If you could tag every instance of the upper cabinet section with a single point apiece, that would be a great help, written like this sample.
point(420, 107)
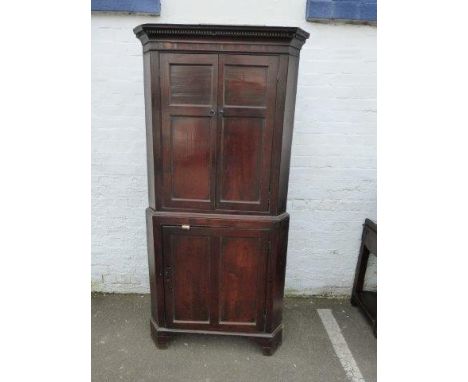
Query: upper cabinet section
point(227, 38)
point(219, 106)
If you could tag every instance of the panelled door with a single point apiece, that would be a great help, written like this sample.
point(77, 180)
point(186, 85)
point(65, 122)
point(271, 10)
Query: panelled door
point(217, 130)
point(215, 278)
point(241, 273)
point(188, 276)
point(188, 108)
point(247, 96)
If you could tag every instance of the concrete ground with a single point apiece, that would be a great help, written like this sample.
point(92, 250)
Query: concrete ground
point(122, 348)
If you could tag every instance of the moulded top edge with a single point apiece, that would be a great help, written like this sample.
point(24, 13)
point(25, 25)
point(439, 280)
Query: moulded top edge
point(238, 32)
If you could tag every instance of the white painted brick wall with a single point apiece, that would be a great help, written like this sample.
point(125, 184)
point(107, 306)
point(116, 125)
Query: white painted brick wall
point(333, 168)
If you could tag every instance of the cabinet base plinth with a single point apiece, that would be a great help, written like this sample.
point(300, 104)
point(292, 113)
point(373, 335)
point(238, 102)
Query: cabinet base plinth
point(269, 345)
point(161, 339)
point(268, 342)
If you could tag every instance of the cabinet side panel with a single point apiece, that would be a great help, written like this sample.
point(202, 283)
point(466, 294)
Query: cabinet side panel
point(149, 127)
point(155, 268)
point(278, 131)
point(288, 125)
point(151, 262)
point(278, 273)
point(152, 119)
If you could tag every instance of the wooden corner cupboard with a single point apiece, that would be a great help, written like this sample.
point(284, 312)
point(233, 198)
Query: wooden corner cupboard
point(219, 120)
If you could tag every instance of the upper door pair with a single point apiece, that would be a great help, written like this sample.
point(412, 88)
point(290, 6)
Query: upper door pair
point(217, 131)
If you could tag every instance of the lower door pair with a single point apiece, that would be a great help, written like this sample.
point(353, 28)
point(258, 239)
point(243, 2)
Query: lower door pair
point(215, 278)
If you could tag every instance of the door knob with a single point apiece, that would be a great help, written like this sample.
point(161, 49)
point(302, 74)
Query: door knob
point(212, 112)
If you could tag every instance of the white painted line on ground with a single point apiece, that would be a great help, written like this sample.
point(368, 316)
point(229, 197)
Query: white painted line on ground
point(340, 345)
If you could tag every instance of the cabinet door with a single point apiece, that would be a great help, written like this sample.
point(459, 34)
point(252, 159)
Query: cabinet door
point(188, 107)
point(187, 257)
point(247, 97)
point(242, 264)
point(215, 278)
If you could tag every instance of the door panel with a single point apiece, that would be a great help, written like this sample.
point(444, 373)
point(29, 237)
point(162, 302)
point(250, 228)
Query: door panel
point(245, 85)
point(187, 272)
point(242, 270)
point(191, 84)
point(241, 160)
point(247, 96)
point(190, 154)
point(188, 104)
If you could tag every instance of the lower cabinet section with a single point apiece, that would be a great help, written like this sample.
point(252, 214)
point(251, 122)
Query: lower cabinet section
point(222, 276)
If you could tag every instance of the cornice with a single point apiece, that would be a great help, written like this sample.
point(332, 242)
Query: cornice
point(149, 32)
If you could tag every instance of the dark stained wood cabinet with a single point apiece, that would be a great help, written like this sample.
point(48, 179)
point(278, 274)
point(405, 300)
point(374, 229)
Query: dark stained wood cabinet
point(219, 118)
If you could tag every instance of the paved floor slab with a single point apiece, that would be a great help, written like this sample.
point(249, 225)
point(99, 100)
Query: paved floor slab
point(122, 349)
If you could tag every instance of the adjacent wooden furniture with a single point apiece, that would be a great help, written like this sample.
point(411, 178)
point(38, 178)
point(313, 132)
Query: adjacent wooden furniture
point(219, 117)
point(366, 300)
